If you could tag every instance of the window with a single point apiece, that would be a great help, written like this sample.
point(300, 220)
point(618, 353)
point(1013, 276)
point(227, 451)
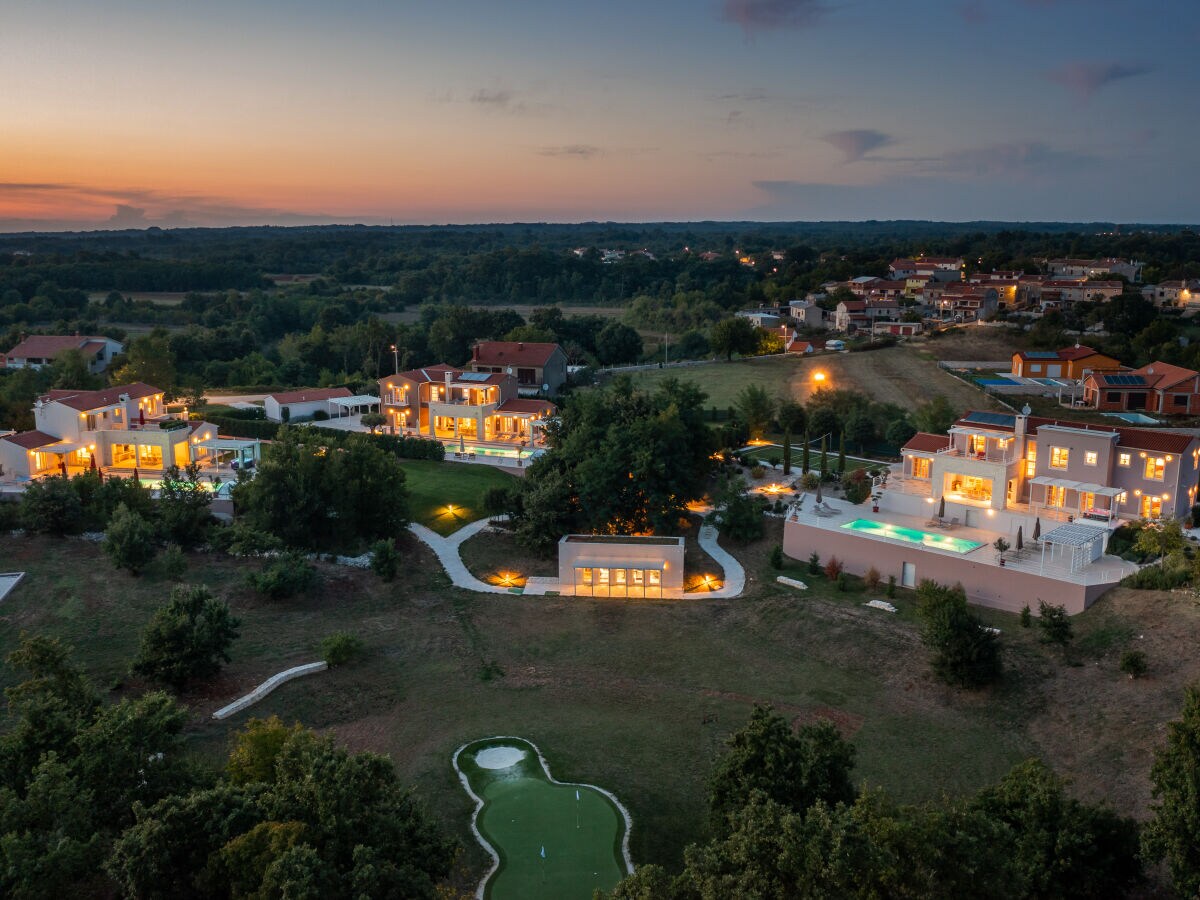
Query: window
point(1090, 457)
point(920, 467)
point(1155, 467)
point(1180, 399)
point(1123, 497)
point(1151, 507)
point(1112, 397)
point(978, 444)
point(1059, 457)
point(1056, 495)
point(1030, 469)
point(1122, 459)
point(1031, 451)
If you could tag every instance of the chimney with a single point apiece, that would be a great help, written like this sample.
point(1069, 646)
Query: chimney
point(520, 345)
point(475, 352)
point(449, 379)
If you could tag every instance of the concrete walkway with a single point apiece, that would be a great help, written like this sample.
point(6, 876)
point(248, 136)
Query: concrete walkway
point(448, 553)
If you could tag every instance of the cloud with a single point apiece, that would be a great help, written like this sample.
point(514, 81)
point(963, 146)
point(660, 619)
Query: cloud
point(768, 15)
point(856, 143)
point(1084, 79)
point(572, 151)
point(754, 95)
point(1009, 160)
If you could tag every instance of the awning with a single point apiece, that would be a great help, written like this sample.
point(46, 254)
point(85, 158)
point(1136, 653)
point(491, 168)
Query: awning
point(1082, 486)
point(226, 444)
point(1075, 535)
point(356, 400)
point(62, 449)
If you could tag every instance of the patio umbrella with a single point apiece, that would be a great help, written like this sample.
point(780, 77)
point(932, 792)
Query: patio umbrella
point(92, 462)
point(1020, 541)
point(1037, 528)
point(942, 508)
point(820, 499)
point(462, 445)
point(141, 416)
point(62, 465)
point(136, 476)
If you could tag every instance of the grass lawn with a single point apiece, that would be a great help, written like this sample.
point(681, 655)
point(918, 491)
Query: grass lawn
point(899, 375)
point(435, 486)
point(775, 451)
point(636, 696)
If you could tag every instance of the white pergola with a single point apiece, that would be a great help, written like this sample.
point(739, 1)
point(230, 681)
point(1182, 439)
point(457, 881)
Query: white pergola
point(247, 450)
point(348, 406)
point(1080, 488)
point(1083, 544)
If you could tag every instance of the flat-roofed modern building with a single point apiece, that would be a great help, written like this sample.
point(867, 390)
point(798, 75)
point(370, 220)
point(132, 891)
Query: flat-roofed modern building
point(602, 565)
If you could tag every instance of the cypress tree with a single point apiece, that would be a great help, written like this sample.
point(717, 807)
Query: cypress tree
point(842, 452)
point(804, 461)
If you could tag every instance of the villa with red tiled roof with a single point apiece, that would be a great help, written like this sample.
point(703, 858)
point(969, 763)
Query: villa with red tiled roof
point(1069, 362)
point(454, 405)
point(1015, 508)
point(1158, 387)
point(41, 349)
point(538, 367)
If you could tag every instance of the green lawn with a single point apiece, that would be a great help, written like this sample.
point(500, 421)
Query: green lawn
point(445, 495)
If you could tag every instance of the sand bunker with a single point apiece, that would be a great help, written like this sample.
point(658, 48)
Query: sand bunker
point(499, 757)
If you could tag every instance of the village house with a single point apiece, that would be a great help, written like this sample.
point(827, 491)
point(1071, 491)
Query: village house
point(456, 405)
point(538, 367)
point(852, 315)
point(1173, 293)
point(762, 318)
point(968, 302)
point(808, 314)
point(939, 268)
point(301, 405)
point(118, 430)
point(41, 349)
point(1158, 387)
point(1069, 362)
point(1094, 268)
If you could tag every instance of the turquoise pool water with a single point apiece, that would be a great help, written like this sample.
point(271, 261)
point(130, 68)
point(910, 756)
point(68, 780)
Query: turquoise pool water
point(913, 536)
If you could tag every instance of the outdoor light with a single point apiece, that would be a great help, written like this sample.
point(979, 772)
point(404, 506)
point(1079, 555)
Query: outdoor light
point(818, 376)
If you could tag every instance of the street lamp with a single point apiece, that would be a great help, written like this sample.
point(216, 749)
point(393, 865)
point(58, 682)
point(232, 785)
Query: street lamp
point(395, 360)
point(819, 377)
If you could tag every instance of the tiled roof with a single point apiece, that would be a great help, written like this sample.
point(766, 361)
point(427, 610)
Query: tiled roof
point(30, 440)
point(527, 407)
point(47, 346)
point(1162, 440)
point(1163, 375)
point(310, 395)
point(924, 442)
point(84, 400)
point(512, 353)
point(427, 373)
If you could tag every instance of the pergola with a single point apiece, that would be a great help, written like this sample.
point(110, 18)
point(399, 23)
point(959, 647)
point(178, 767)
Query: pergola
point(247, 450)
point(1080, 488)
point(1083, 544)
point(348, 406)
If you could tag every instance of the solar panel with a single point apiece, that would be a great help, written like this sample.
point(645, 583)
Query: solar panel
point(989, 418)
point(1129, 380)
point(474, 376)
point(1041, 354)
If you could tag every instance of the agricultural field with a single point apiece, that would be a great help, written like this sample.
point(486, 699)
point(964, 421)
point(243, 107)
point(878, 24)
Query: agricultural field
point(637, 696)
point(899, 375)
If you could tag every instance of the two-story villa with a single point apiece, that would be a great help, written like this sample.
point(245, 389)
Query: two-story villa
point(451, 404)
point(119, 429)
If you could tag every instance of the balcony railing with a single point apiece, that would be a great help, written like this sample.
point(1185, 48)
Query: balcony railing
point(1006, 457)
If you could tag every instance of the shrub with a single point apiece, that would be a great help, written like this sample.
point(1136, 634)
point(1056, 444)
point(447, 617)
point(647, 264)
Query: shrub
point(129, 540)
point(285, 576)
point(833, 568)
point(188, 638)
point(172, 564)
point(240, 539)
point(757, 472)
point(385, 561)
point(891, 588)
point(51, 505)
point(1026, 616)
point(814, 563)
point(184, 506)
point(742, 517)
point(340, 648)
point(1054, 624)
point(1133, 663)
point(320, 416)
point(856, 486)
point(776, 558)
point(964, 653)
point(841, 581)
point(872, 579)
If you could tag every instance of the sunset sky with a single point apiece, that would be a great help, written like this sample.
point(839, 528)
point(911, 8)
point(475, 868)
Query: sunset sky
point(127, 113)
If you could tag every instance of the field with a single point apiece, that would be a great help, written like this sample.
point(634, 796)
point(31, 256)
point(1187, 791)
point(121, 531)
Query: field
point(413, 314)
point(638, 696)
point(973, 342)
point(897, 375)
point(445, 496)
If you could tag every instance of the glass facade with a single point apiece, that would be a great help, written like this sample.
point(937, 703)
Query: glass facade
point(606, 582)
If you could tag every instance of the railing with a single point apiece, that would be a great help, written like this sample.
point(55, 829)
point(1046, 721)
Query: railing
point(989, 456)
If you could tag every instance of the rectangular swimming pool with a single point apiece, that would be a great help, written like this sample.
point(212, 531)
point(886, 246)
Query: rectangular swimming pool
point(913, 536)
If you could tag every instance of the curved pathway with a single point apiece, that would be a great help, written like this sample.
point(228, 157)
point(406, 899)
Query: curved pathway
point(447, 551)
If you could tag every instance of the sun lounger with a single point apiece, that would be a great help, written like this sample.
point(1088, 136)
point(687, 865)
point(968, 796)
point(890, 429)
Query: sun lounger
point(952, 524)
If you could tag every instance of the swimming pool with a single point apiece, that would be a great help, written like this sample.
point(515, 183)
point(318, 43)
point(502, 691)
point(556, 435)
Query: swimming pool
point(1132, 418)
point(913, 536)
point(998, 381)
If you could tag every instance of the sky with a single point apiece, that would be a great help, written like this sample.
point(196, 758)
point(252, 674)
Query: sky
point(131, 113)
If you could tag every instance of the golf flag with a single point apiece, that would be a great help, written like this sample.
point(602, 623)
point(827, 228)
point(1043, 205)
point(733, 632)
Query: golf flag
point(543, 851)
point(577, 793)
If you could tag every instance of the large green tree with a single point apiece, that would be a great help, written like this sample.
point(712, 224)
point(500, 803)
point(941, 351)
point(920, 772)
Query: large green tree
point(184, 506)
point(963, 652)
point(755, 408)
point(618, 343)
point(130, 540)
point(188, 638)
point(735, 334)
point(1174, 831)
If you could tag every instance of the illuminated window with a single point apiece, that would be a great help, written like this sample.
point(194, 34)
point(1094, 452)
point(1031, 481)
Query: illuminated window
point(1151, 507)
point(920, 467)
point(1155, 468)
point(1090, 458)
point(1056, 495)
point(1030, 469)
point(1059, 457)
point(1122, 459)
point(1031, 451)
point(978, 444)
point(1123, 497)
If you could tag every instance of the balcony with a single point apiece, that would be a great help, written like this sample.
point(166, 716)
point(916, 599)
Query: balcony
point(997, 456)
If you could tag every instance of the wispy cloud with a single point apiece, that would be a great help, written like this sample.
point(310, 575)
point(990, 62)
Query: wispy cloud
point(856, 143)
point(767, 15)
point(1015, 159)
point(1084, 79)
point(572, 151)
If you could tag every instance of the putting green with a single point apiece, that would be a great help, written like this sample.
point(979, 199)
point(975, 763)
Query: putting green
point(547, 839)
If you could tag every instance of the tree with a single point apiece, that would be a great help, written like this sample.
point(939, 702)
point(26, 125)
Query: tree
point(735, 334)
point(184, 505)
point(740, 516)
point(618, 343)
point(1054, 625)
point(860, 429)
point(1060, 846)
point(71, 372)
point(1174, 831)
point(793, 768)
point(51, 505)
point(1133, 663)
point(804, 461)
point(129, 540)
point(824, 459)
point(898, 432)
point(1159, 539)
point(373, 421)
point(756, 409)
point(792, 419)
point(823, 420)
point(964, 653)
point(934, 416)
point(187, 639)
point(148, 358)
point(841, 463)
point(385, 561)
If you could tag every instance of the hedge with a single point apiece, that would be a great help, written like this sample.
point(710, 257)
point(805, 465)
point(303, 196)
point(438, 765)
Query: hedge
point(404, 447)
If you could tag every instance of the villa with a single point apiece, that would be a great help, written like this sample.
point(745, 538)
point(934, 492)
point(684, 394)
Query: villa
point(455, 405)
point(1052, 489)
point(118, 430)
point(1069, 362)
point(41, 349)
point(538, 367)
point(1158, 387)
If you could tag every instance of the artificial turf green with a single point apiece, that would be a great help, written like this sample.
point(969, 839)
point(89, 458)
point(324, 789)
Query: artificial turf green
point(554, 840)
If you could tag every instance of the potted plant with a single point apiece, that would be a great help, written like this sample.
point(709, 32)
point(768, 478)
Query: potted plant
point(1001, 546)
point(875, 501)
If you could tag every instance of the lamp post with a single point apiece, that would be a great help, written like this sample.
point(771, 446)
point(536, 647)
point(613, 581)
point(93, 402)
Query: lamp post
point(395, 360)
